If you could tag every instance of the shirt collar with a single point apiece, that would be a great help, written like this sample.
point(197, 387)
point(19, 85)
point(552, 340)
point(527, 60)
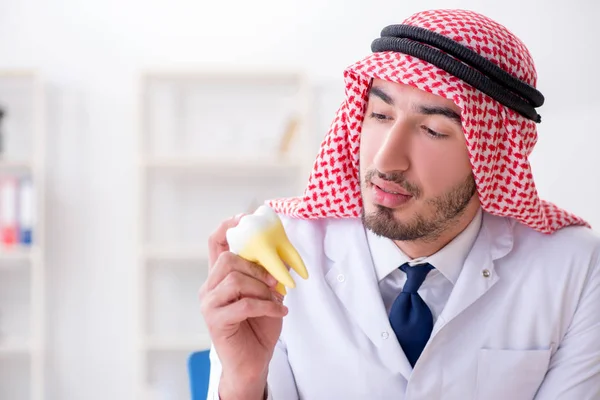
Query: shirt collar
point(449, 260)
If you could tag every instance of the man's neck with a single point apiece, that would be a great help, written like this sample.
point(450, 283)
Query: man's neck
point(427, 247)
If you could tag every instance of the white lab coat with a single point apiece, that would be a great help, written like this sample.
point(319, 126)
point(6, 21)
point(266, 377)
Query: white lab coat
point(522, 322)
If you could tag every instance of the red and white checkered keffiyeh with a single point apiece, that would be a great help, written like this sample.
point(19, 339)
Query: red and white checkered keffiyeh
point(499, 140)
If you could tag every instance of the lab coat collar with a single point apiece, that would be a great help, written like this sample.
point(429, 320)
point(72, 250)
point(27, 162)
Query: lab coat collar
point(449, 260)
point(352, 277)
point(478, 275)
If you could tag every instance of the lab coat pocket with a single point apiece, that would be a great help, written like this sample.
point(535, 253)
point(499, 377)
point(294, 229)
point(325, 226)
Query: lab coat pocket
point(510, 374)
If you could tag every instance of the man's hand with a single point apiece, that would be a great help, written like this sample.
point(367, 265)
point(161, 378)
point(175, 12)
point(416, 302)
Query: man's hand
point(244, 315)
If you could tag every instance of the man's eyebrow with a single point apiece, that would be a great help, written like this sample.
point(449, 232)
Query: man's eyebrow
point(422, 109)
point(375, 91)
point(443, 111)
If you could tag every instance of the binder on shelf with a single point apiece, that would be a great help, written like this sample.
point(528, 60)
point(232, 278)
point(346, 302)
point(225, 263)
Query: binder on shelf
point(8, 226)
point(26, 212)
point(17, 211)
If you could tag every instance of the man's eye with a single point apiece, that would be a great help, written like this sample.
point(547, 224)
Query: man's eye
point(378, 116)
point(433, 133)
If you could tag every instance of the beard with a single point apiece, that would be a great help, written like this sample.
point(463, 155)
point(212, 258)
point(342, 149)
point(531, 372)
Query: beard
point(447, 208)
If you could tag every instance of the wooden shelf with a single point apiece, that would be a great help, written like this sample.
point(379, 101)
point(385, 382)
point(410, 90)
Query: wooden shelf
point(18, 253)
point(223, 167)
point(226, 74)
point(262, 152)
point(25, 92)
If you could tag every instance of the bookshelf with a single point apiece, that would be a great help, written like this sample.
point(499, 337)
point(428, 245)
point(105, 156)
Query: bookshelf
point(22, 269)
point(212, 144)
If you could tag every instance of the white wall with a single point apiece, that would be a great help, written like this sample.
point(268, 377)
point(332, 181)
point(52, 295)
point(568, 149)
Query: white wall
point(90, 53)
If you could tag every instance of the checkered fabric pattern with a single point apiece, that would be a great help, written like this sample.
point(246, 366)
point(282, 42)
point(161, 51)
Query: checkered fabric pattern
point(499, 140)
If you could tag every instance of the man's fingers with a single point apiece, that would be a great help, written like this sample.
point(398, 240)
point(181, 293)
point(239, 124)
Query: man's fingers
point(217, 241)
point(228, 262)
point(236, 286)
point(247, 307)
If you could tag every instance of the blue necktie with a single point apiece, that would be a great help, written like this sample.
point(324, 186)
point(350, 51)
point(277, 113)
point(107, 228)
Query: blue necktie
point(410, 317)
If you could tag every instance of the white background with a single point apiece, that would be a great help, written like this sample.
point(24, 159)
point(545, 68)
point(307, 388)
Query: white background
point(90, 53)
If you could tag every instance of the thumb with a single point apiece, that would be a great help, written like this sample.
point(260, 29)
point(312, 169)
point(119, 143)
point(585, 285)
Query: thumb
point(217, 242)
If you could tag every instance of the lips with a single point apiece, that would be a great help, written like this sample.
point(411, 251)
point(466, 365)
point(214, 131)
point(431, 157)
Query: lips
point(389, 187)
point(387, 191)
point(389, 194)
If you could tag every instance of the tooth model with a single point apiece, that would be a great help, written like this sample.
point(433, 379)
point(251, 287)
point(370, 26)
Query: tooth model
point(261, 238)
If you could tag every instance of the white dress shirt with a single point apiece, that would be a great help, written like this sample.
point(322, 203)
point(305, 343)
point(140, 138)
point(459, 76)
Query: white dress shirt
point(436, 289)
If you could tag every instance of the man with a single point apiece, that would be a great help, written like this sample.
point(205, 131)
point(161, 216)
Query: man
point(436, 272)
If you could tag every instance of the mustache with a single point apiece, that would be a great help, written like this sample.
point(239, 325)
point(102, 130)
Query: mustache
point(394, 177)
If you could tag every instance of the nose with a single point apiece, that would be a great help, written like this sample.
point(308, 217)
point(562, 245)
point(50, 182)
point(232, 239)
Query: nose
point(394, 152)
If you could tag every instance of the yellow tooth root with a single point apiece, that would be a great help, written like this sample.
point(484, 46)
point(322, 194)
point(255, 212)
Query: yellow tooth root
point(272, 263)
point(286, 250)
point(290, 256)
point(280, 289)
point(263, 251)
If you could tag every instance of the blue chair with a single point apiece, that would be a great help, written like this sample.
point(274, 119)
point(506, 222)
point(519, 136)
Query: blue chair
point(199, 373)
